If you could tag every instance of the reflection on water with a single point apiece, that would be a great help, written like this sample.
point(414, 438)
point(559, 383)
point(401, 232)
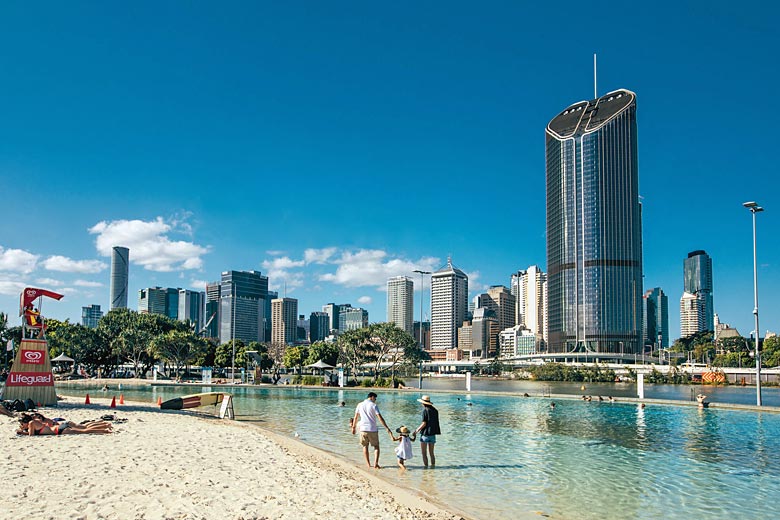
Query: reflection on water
point(515, 457)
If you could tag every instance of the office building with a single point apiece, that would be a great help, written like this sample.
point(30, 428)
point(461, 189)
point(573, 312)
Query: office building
point(656, 315)
point(212, 311)
point(594, 231)
point(517, 341)
point(484, 333)
point(120, 272)
point(334, 313)
point(319, 326)
point(192, 308)
point(352, 318)
point(697, 279)
point(400, 303)
point(426, 334)
point(243, 305)
point(449, 301)
point(303, 329)
point(90, 316)
point(284, 324)
point(501, 301)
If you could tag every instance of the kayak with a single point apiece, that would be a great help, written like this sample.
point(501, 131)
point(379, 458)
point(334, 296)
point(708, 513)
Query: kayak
point(193, 401)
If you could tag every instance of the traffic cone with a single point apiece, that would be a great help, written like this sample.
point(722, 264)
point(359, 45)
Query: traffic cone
point(86, 401)
point(159, 401)
point(113, 402)
point(121, 398)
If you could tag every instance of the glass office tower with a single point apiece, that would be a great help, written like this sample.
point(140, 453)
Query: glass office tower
point(594, 232)
point(698, 280)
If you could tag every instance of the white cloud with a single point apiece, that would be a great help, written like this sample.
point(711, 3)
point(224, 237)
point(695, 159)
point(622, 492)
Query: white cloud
point(11, 287)
point(66, 265)
point(198, 285)
point(282, 263)
point(149, 243)
point(365, 300)
point(87, 283)
point(319, 256)
point(279, 279)
point(51, 282)
point(372, 268)
point(17, 260)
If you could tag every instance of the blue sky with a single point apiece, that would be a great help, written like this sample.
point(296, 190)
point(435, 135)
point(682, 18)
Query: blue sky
point(331, 145)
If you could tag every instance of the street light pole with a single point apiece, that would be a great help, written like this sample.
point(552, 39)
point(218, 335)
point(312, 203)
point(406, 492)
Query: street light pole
point(754, 208)
point(422, 291)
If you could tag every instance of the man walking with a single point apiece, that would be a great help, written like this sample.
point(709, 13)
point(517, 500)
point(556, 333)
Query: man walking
point(366, 415)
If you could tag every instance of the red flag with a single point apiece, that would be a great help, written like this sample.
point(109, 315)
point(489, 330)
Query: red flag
point(31, 293)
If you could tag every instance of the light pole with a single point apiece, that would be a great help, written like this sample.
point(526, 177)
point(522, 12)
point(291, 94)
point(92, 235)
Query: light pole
point(422, 291)
point(754, 208)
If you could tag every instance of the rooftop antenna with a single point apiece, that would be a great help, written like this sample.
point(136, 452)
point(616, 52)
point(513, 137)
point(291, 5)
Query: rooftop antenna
point(595, 90)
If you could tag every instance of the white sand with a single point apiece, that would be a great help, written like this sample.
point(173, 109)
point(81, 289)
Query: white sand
point(174, 465)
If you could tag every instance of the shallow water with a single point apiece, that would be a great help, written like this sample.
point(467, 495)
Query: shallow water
point(514, 457)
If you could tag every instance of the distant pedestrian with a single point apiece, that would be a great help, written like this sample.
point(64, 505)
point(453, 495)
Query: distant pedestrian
point(428, 430)
point(365, 420)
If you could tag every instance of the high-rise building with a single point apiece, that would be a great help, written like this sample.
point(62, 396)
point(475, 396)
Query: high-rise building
point(697, 278)
point(284, 324)
point(120, 269)
point(319, 326)
point(212, 310)
point(303, 329)
point(352, 318)
point(449, 301)
point(192, 308)
point(517, 341)
point(90, 316)
point(530, 289)
point(333, 310)
point(484, 333)
point(400, 302)
point(692, 314)
point(153, 300)
point(504, 304)
point(242, 306)
point(656, 314)
point(594, 231)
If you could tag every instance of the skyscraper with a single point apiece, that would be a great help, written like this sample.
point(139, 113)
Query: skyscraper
point(692, 315)
point(120, 262)
point(449, 302)
point(530, 289)
point(333, 310)
point(191, 308)
point(400, 302)
point(212, 310)
point(284, 321)
point(242, 305)
point(594, 231)
point(352, 318)
point(697, 279)
point(319, 327)
point(656, 313)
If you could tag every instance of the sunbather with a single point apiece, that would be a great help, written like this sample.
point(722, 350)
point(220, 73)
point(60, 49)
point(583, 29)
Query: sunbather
point(40, 425)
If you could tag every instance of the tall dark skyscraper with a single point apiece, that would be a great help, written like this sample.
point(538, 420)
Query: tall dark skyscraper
point(697, 280)
point(120, 269)
point(594, 230)
point(242, 305)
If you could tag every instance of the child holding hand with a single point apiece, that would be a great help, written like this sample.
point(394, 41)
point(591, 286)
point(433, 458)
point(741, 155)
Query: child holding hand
point(404, 449)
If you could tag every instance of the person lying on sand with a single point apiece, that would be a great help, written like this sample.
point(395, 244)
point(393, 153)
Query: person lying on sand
point(30, 425)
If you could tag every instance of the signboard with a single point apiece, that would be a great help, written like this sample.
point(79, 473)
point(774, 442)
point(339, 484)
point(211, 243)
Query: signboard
point(226, 410)
point(205, 376)
point(33, 357)
point(341, 377)
point(29, 379)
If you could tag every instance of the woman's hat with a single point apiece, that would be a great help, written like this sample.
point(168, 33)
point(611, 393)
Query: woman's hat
point(403, 430)
point(425, 400)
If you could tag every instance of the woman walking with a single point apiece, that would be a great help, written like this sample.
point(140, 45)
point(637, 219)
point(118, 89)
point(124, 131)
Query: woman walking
point(428, 429)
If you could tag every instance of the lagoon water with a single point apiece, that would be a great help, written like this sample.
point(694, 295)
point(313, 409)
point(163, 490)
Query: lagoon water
point(504, 456)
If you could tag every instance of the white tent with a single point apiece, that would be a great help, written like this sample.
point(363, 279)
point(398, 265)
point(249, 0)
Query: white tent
point(320, 364)
point(63, 357)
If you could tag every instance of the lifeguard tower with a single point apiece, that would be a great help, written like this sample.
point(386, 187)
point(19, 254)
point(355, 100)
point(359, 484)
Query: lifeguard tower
point(31, 376)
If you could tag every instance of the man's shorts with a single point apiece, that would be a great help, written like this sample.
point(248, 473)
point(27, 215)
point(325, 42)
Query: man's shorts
point(371, 438)
point(430, 439)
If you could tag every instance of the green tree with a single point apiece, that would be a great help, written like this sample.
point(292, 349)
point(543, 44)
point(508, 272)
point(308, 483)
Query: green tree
point(224, 354)
point(770, 355)
point(320, 350)
point(355, 349)
point(178, 348)
point(295, 357)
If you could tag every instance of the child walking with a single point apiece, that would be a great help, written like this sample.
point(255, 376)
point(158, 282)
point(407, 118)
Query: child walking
point(404, 449)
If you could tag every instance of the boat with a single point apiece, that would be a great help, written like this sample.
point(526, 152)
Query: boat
point(193, 401)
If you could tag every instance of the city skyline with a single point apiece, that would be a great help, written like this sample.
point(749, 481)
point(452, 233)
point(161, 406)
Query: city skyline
point(333, 150)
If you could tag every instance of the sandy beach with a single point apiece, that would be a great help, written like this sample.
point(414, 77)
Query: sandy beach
point(177, 465)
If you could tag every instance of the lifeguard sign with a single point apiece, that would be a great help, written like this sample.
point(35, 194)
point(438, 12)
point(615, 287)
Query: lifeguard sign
point(31, 376)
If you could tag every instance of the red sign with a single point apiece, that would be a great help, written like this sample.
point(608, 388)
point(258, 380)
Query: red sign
point(33, 357)
point(29, 379)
